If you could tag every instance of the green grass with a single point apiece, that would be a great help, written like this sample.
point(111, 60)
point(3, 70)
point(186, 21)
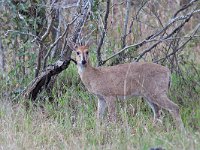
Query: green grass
point(66, 128)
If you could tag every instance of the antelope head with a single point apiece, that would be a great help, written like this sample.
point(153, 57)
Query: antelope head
point(82, 55)
point(82, 58)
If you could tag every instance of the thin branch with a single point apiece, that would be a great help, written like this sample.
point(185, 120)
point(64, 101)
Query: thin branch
point(62, 5)
point(89, 7)
point(125, 48)
point(42, 39)
point(47, 31)
point(173, 20)
point(169, 35)
point(99, 59)
point(180, 47)
point(128, 6)
point(19, 32)
point(139, 44)
point(136, 16)
point(185, 7)
point(57, 40)
point(154, 35)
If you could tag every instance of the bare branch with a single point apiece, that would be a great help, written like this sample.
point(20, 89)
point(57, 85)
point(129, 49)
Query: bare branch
point(136, 16)
point(156, 34)
point(169, 35)
point(47, 31)
point(66, 6)
point(185, 7)
point(125, 48)
point(99, 59)
point(57, 40)
point(20, 32)
point(128, 6)
point(41, 47)
point(183, 45)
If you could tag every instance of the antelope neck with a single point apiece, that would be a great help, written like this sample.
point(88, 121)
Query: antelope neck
point(81, 68)
point(84, 69)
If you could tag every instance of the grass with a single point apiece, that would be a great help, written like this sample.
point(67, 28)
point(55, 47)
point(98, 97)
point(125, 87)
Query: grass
point(71, 122)
point(59, 129)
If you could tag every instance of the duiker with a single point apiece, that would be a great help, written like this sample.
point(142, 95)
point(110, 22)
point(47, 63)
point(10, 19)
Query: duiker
point(145, 79)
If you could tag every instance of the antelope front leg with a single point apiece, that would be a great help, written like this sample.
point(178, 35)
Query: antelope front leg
point(101, 107)
point(111, 108)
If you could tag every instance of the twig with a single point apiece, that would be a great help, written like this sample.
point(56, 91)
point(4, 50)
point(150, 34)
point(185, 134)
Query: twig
point(180, 47)
point(123, 38)
point(185, 7)
point(47, 31)
point(152, 36)
point(41, 46)
point(20, 32)
point(99, 59)
point(169, 35)
point(125, 48)
point(60, 5)
point(57, 40)
point(136, 16)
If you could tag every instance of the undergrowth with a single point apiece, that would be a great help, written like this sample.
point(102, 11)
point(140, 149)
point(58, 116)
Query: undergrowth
point(70, 122)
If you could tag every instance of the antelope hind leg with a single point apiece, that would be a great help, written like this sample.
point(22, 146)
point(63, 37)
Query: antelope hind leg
point(164, 102)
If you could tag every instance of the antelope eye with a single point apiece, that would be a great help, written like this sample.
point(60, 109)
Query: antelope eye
point(77, 53)
point(87, 53)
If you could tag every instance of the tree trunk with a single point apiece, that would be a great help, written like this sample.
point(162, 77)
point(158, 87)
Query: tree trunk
point(2, 57)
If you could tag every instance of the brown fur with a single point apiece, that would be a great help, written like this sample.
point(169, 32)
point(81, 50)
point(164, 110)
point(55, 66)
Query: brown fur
point(132, 79)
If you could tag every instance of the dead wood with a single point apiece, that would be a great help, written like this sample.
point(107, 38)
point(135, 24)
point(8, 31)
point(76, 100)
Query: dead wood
point(42, 81)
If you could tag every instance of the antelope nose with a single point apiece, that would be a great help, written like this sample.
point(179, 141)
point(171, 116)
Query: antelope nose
point(83, 62)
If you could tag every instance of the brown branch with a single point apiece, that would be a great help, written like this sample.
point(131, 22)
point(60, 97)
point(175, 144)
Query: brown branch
point(123, 38)
point(57, 40)
point(136, 16)
point(185, 7)
point(43, 79)
point(99, 59)
point(41, 47)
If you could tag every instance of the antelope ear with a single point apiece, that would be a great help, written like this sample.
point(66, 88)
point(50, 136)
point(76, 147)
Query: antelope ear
point(88, 43)
point(86, 46)
point(72, 45)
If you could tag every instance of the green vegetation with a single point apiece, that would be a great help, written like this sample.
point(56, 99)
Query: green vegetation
point(70, 122)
